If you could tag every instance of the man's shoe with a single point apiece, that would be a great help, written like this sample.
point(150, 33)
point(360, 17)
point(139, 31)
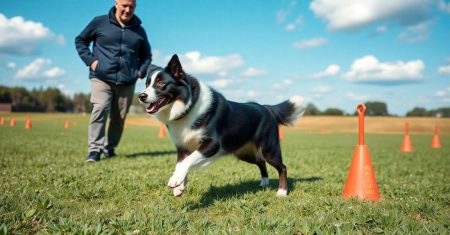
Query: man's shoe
point(109, 153)
point(93, 157)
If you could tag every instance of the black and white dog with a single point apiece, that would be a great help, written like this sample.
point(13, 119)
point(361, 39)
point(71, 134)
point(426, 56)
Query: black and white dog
point(203, 125)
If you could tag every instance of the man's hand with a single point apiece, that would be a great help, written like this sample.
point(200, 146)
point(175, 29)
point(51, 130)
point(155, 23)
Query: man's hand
point(139, 74)
point(94, 65)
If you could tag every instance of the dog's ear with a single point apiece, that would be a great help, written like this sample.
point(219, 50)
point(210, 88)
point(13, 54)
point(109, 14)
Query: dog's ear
point(174, 68)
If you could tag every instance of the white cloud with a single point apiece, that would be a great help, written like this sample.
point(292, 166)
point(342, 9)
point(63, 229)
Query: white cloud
point(443, 6)
point(354, 96)
point(283, 14)
point(21, 37)
point(195, 63)
point(443, 95)
point(221, 83)
point(329, 71)
point(415, 33)
point(381, 29)
point(39, 68)
point(252, 94)
point(54, 72)
point(282, 85)
point(310, 43)
point(253, 72)
point(319, 91)
point(11, 65)
point(292, 26)
point(353, 15)
point(444, 69)
point(369, 69)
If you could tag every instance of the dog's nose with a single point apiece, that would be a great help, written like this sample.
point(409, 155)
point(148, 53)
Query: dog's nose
point(142, 97)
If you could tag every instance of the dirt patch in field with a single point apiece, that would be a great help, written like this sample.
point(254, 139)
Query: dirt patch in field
point(387, 125)
point(321, 124)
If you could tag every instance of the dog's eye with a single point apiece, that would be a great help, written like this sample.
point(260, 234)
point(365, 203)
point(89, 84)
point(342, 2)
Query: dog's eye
point(160, 84)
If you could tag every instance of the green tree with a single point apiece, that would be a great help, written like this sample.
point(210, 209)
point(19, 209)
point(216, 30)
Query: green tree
point(376, 109)
point(81, 103)
point(418, 112)
point(333, 112)
point(5, 95)
point(312, 110)
point(54, 101)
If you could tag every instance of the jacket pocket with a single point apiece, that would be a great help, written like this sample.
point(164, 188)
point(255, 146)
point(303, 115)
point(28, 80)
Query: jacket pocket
point(99, 70)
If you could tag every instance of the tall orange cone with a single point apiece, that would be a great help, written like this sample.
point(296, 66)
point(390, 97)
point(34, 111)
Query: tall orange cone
point(361, 182)
point(162, 131)
point(2, 121)
point(280, 133)
point(12, 123)
point(28, 122)
point(407, 145)
point(67, 124)
point(436, 143)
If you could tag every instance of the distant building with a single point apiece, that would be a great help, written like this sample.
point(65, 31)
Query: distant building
point(6, 107)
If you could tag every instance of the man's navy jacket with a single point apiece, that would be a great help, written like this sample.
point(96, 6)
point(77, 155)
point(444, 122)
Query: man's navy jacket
point(121, 51)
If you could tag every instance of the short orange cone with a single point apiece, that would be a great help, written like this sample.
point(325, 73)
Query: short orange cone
point(28, 123)
point(2, 121)
point(162, 131)
point(67, 124)
point(436, 143)
point(407, 145)
point(12, 123)
point(280, 133)
point(361, 182)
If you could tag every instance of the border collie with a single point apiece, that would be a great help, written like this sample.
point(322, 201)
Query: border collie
point(204, 125)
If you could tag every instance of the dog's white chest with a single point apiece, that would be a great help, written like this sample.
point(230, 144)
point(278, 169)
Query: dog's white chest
point(186, 137)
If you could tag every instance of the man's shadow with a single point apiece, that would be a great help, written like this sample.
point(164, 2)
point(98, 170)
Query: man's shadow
point(226, 192)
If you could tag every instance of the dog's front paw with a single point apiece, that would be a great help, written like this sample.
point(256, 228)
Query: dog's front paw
point(176, 180)
point(179, 190)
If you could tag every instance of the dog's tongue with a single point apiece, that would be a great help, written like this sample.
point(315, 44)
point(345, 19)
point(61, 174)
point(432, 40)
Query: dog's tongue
point(153, 107)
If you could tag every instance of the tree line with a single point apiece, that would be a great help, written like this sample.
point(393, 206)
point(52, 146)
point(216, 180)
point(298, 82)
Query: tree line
point(53, 100)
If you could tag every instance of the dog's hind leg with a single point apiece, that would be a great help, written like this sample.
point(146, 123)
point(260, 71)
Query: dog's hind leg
point(251, 158)
point(273, 157)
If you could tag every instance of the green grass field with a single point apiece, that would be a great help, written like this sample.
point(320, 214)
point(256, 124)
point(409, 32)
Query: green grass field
point(47, 188)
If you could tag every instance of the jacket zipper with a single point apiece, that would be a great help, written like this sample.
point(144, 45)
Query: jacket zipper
point(121, 54)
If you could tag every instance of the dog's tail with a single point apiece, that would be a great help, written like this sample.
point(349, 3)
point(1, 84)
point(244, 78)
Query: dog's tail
point(289, 111)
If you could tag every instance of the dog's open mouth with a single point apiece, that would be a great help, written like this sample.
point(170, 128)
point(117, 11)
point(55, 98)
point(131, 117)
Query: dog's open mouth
point(155, 106)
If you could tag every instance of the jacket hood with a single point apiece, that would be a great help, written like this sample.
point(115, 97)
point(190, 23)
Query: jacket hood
point(134, 22)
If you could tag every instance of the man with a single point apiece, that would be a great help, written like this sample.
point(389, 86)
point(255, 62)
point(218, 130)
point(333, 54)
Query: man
point(121, 54)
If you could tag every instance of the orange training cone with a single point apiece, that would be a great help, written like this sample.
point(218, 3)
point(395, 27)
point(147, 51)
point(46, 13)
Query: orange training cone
point(361, 182)
point(12, 123)
point(2, 121)
point(162, 131)
point(280, 133)
point(67, 124)
point(28, 123)
point(436, 143)
point(407, 145)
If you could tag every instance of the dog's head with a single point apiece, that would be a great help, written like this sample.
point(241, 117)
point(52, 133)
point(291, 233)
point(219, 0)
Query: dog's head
point(167, 93)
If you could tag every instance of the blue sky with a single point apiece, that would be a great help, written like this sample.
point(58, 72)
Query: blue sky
point(333, 53)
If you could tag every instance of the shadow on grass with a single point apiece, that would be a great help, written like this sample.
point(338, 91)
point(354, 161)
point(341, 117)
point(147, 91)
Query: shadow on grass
point(152, 154)
point(226, 192)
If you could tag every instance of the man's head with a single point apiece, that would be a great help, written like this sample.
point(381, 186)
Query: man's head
point(125, 10)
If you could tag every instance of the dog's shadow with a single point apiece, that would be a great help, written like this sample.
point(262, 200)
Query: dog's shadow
point(152, 154)
point(229, 191)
